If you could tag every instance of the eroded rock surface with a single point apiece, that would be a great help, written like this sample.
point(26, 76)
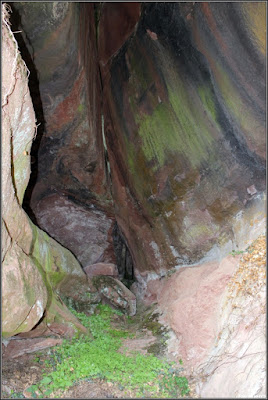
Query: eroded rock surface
point(172, 131)
point(237, 362)
point(217, 314)
point(184, 106)
point(61, 39)
point(24, 291)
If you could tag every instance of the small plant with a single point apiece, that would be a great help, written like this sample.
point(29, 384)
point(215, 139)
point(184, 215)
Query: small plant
point(236, 252)
point(175, 385)
point(16, 395)
point(97, 356)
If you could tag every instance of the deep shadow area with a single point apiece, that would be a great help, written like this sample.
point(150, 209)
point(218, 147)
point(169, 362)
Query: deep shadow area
point(123, 257)
point(33, 83)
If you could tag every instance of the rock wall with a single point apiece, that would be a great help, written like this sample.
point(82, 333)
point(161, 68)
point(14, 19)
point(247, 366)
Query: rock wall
point(59, 38)
point(154, 114)
point(217, 315)
point(33, 264)
point(70, 172)
point(184, 101)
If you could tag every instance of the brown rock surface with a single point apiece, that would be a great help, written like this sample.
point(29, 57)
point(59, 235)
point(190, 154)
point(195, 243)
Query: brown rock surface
point(61, 38)
point(18, 347)
point(169, 128)
point(86, 231)
point(117, 23)
point(44, 329)
point(180, 146)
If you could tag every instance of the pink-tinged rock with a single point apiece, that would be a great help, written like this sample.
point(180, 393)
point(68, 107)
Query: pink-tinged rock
point(237, 363)
point(116, 293)
point(217, 314)
point(24, 295)
point(18, 347)
point(152, 35)
point(190, 300)
point(251, 190)
point(101, 269)
point(26, 250)
point(52, 329)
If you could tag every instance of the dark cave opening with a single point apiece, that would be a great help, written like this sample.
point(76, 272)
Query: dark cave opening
point(123, 257)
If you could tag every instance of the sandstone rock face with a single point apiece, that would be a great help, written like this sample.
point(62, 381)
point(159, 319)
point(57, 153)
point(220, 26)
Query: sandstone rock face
point(60, 37)
point(87, 232)
point(116, 293)
point(32, 263)
point(184, 107)
point(217, 314)
point(237, 362)
point(191, 300)
point(73, 182)
point(24, 292)
point(176, 127)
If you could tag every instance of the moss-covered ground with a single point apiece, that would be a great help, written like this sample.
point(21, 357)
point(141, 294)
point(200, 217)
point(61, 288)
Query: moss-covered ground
point(97, 359)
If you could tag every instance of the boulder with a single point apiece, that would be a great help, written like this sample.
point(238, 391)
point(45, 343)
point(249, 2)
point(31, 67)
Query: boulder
point(101, 269)
point(116, 293)
point(78, 293)
point(85, 231)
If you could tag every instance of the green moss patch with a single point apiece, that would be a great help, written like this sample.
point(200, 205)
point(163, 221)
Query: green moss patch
point(97, 357)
